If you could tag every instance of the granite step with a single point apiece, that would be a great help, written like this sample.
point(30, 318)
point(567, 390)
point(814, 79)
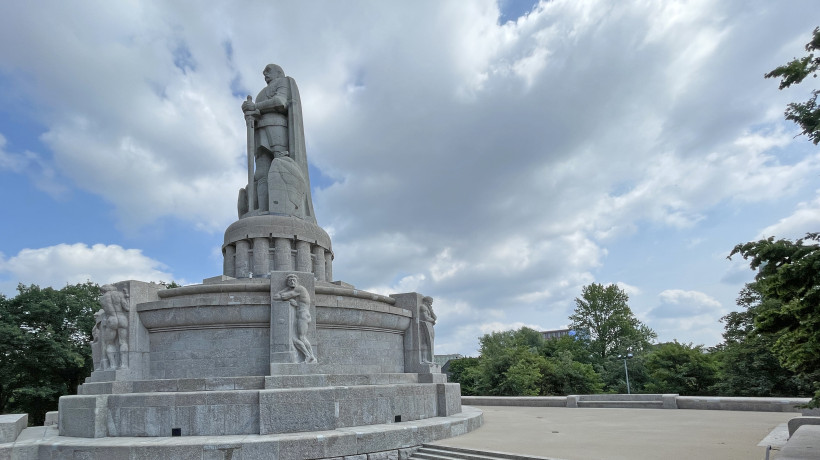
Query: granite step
point(435, 452)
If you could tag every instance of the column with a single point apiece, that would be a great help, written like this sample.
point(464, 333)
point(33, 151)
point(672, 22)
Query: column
point(303, 262)
point(328, 266)
point(281, 258)
point(319, 263)
point(228, 263)
point(261, 256)
point(242, 258)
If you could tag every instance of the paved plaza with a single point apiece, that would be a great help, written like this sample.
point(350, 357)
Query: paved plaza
point(589, 433)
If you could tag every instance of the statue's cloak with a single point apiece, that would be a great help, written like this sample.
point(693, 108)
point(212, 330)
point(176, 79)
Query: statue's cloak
point(296, 147)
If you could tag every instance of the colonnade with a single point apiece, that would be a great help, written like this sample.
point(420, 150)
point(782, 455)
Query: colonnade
point(262, 255)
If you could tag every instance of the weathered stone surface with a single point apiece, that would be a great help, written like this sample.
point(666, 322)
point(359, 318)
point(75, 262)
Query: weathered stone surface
point(405, 453)
point(384, 455)
point(11, 425)
point(83, 416)
point(51, 418)
point(741, 403)
point(804, 444)
point(797, 422)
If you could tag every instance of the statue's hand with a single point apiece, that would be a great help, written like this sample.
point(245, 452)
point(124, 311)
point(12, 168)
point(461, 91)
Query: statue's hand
point(248, 106)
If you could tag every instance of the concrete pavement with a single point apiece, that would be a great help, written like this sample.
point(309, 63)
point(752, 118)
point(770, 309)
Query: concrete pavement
point(635, 434)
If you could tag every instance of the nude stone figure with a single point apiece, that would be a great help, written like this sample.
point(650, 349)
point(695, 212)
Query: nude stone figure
point(97, 348)
point(427, 319)
point(114, 327)
point(299, 298)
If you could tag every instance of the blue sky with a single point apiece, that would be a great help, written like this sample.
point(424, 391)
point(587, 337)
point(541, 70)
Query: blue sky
point(495, 155)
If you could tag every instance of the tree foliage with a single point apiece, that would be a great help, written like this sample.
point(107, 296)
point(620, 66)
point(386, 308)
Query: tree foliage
point(44, 346)
point(603, 317)
point(788, 279)
point(806, 114)
point(520, 363)
point(748, 367)
point(680, 368)
point(466, 372)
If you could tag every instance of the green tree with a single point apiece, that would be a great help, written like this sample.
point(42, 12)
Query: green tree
point(577, 348)
point(806, 114)
point(748, 367)
point(522, 363)
point(788, 279)
point(603, 317)
point(465, 371)
point(501, 351)
point(680, 368)
point(565, 376)
point(614, 376)
point(44, 346)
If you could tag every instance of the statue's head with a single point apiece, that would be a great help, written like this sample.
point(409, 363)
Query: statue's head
point(427, 300)
point(272, 71)
point(292, 280)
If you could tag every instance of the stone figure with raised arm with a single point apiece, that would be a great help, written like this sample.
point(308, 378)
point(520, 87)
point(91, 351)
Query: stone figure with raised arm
point(427, 319)
point(276, 145)
point(114, 327)
point(299, 297)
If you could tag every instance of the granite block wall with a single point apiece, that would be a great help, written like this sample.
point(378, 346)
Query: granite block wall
point(201, 353)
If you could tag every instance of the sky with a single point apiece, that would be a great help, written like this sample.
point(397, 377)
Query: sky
point(495, 155)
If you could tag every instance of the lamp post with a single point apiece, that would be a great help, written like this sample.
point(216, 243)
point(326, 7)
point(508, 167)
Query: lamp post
point(626, 371)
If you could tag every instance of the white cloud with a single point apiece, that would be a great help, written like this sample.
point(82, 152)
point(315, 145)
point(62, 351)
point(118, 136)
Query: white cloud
point(677, 303)
point(804, 219)
point(491, 166)
point(629, 289)
point(63, 264)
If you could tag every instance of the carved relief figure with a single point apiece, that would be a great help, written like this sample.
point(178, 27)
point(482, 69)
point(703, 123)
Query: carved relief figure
point(114, 327)
point(96, 341)
point(299, 298)
point(427, 335)
point(281, 184)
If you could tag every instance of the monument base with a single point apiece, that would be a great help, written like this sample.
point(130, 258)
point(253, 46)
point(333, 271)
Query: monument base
point(392, 440)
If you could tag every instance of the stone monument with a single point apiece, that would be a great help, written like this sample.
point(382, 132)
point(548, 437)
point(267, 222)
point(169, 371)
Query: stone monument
point(273, 358)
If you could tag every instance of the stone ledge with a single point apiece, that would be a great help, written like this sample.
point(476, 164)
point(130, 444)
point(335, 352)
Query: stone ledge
point(525, 401)
point(741, 403)
point(670, 401)
point(11, 425)
point(331, 380)
point(797, 422)
point(803, 445)
point(353, 441)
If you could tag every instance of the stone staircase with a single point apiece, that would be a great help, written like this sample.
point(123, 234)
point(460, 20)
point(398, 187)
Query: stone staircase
point(434, 452)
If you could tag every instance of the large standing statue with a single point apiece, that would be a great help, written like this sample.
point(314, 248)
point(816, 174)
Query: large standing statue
point(299, 298)
point(427, 335)
point(276, 142)
point(114, 327)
